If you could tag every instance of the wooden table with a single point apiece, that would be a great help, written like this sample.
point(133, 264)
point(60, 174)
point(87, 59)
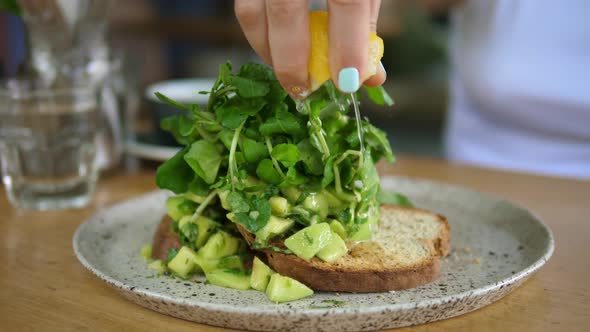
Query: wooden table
point(43, 287)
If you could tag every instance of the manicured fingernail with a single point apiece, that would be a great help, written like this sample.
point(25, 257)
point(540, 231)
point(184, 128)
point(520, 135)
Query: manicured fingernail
point(348, 79)
point(298, 92)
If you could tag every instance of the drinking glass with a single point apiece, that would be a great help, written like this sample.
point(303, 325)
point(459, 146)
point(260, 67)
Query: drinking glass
point(47, 144)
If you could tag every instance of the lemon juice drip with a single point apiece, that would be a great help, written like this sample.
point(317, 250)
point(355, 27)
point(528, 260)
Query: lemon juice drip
point(359, 127)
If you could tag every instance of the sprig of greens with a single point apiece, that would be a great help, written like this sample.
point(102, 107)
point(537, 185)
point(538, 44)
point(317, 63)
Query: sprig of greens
point(254, 141)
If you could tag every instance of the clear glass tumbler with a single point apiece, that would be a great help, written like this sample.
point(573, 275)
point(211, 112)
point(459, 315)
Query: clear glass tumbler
point(47, 145)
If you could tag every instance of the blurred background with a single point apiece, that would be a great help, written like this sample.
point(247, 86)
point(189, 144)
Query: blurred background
point(157, 40)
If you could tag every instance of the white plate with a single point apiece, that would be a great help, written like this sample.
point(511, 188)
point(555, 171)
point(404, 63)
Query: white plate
point(495, 247)
point(150, 151)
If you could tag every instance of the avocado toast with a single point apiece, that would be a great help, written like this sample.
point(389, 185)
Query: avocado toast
point(294, 184)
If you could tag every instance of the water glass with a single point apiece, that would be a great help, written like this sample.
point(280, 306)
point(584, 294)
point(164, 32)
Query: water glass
point(47, 145)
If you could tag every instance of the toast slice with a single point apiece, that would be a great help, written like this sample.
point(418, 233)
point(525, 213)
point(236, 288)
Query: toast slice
point(405, 253)
point(164, 239)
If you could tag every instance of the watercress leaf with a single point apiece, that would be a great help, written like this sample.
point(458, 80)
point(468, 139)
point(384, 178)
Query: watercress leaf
point(225, 73)
point(253, 151)
point(378, 95)
point(282, 122)
point(171, 102)
point(204, 158)
point(393, 198)
point(257, 72)
point(262, 206)
point(181, 127)
point(237, 202)
point(329, 171)
point(251, 224)
point(234, 112)
point(248, 88)
point(270, 191)
point(286, 154)
point(292, 178)
point(311, 157)
point(171, 254)
point(266, 172)
point(377, 140)
point(175, 174)
point(198, 186)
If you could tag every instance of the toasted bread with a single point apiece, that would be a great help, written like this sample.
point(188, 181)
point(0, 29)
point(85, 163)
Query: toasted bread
point(164, 239)
point(405, 253)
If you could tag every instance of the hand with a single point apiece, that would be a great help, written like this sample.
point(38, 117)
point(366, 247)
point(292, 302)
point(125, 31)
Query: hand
point(278, 30)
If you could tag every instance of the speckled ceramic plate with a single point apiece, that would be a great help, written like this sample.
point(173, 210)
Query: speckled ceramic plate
point(495, 247)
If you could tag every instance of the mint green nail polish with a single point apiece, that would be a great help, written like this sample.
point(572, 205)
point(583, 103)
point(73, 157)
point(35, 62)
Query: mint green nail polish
point(348, 79)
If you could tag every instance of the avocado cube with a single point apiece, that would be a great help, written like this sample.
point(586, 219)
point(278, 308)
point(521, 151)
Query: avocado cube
point(260, 275)
point(205, 264)
point(219, 245)
point(146, 252)
point(233, 262)
point(229, 279)
point(317, 203)
point(279, 205)
point(283, 289)
point(183, 263)
point(308, 241)
point(335, 249)
point(273, 227)
point(157, 266)
point(206, 227)
point(173, 207)
point(291, 193)
point(338, 228)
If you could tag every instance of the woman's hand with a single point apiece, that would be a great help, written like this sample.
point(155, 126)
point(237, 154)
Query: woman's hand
point(278, 30)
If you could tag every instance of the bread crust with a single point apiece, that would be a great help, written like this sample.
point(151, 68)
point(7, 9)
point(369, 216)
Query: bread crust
point(340, 276)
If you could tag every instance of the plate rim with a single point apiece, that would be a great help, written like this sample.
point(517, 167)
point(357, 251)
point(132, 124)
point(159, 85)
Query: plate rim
point(279, 310)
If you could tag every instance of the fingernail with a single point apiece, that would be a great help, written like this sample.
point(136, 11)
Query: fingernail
point(348, 79)
point(382, 67)
point(298, 92)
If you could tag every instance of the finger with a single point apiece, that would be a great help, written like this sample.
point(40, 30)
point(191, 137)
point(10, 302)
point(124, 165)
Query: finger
point(349, 28)
point(251, 15)
point(289, 40)
point(381, 75)
point(379, 78)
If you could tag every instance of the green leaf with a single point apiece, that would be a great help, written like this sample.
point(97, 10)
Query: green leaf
point(237, 202)
point(204, 158)
point(175, 174)
point(253, 151)
point(287, 154)
point(378, 95)
point(259, 72)
point(171, 102)
point(181, 127)
point(198, 186)
point(329, 171)
point(311, 157)
point(226, 136)
point(233, 113)
point(171, 254)
point(266, 172)
point(292, 178)
point(377, 141)
point(248, 88)
point(392, 198)
point(262, 206)
point(283, 122)
point(225, 73)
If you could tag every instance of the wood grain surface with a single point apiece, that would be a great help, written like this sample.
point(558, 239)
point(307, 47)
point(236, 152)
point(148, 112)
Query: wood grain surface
point(44, 288)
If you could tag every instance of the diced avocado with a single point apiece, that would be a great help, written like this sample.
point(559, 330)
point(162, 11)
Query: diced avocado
point(283, 289)
point(219, 245)
point(157, 266)
point(205, 227)
point(335, 249)
point(233, 262)
point(273, 227)
point(184, 262)
point(205, 264)
point(317, 203)
point(194, 197)
point(223, 199)
point(333, 201)
point(173, 207)
point(146, 252)
point(291, 193)
point(260, 275)
point(229, 278)
point(337, 228)
point(308, 241)
point(363, 233)
point(182, 223)
point(279, 206)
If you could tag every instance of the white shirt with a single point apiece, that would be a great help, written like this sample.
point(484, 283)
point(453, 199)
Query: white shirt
point(520, 91)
